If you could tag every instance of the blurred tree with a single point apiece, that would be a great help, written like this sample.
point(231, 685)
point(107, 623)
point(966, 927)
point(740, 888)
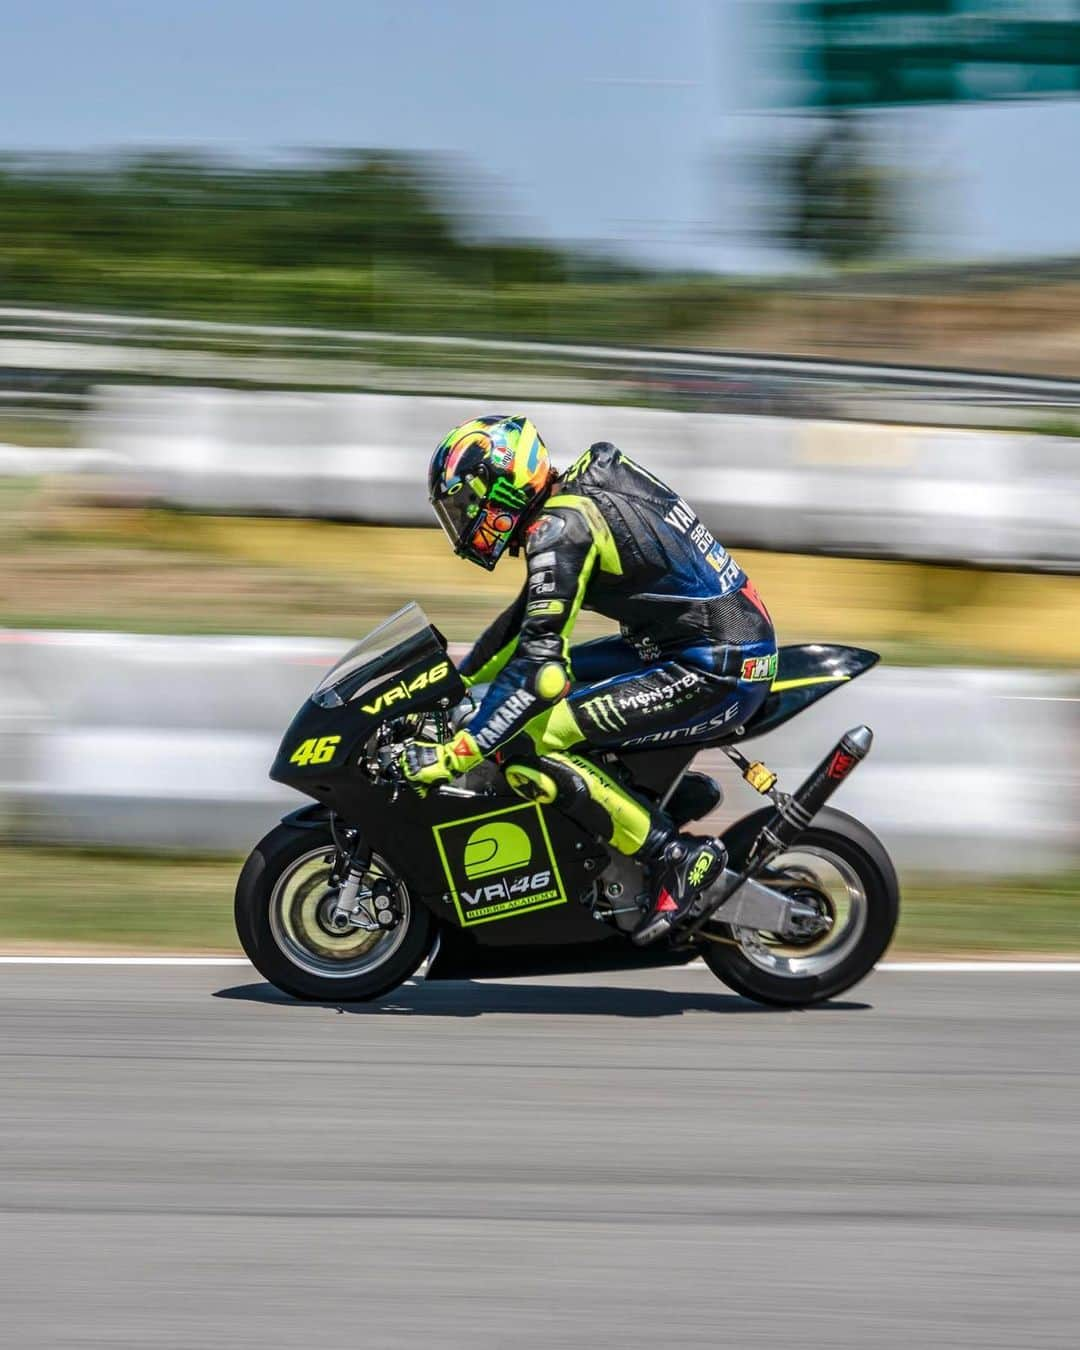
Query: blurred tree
point(346, 208)
point(349, 238)
point(840, 204)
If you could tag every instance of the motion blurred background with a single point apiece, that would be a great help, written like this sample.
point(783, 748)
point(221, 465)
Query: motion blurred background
point(816, 263)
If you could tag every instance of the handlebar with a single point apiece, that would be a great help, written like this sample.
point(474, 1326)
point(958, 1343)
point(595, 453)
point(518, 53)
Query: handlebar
point(387, 771)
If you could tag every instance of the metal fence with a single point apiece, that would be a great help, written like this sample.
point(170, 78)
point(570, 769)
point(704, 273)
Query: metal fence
point(50, 359)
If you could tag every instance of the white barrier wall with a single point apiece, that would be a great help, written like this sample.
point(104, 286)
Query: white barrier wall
point(758, 482)
point(166, 742)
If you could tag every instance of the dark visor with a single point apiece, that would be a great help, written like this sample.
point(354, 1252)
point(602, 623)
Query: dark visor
point(452, 514)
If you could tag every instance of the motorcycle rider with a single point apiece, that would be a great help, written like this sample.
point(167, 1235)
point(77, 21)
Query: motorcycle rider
point(697, 651)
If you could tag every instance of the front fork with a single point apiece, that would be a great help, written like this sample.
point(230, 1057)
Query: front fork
point(356, 905)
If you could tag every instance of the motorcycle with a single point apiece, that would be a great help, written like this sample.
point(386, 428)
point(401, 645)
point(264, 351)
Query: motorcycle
point(348, 896)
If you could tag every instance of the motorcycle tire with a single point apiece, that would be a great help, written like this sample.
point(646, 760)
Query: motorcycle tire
point(282, 937)
point(801, 979)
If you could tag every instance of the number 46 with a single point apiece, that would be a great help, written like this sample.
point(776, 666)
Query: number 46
point(315, 752)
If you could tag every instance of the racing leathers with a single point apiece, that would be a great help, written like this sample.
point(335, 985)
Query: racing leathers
point(696, 655)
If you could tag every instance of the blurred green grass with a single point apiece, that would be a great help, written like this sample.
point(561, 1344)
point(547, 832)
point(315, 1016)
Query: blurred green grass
point(66, 899)
point(49, 433)
point(1036, 915)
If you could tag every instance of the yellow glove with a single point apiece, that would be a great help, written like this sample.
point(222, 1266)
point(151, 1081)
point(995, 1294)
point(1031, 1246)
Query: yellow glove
point(424, 764)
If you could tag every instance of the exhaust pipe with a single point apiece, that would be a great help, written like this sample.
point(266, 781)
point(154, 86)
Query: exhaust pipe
point(792, 817)
point(795, 815)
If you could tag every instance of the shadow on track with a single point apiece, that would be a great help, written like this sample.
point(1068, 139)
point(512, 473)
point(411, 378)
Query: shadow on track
point(464, 998)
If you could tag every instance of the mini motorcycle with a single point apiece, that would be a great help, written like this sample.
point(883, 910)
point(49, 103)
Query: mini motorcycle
point(348, 896)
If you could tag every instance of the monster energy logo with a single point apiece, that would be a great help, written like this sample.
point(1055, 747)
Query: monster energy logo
point(604, 713)
point(505, 494)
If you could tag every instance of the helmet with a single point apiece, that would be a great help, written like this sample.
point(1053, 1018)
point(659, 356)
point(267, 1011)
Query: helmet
point(485, 479)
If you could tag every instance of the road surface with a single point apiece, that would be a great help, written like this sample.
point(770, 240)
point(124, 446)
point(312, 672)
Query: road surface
point(191, 1160)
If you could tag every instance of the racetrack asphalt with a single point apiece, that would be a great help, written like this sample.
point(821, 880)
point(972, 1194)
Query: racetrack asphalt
point(189, 1159)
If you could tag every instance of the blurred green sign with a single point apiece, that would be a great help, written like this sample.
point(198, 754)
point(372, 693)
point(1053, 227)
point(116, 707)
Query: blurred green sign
point(864, 53)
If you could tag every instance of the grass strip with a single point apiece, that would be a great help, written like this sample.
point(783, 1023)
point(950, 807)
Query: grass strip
point(1039, 915)
point(64, 899)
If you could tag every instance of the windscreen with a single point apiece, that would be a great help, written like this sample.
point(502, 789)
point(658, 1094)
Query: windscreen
point(409, 628)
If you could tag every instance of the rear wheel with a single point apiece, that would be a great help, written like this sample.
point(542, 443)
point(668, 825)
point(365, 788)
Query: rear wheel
point(283, 905)
point(839, 868)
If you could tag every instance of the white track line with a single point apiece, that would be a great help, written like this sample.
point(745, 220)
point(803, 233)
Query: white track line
point(1035, 698)
point(124, 961)
point(956, 967)
point(895, 967)
point(984, 967)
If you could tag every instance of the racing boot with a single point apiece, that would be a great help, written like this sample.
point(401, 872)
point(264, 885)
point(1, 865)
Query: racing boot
point(679, 872)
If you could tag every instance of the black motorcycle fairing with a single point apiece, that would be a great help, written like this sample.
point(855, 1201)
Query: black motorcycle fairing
point(314, 816)
point(536, 887)
point(804, 675)
point(475, 853)
point(428, 841)
point(320, 753)
point(458, 956)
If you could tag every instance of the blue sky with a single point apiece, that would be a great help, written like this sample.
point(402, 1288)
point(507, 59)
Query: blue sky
point(623, 121)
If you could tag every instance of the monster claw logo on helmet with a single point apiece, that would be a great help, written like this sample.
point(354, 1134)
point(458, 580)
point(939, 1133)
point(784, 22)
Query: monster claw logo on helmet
point(485, 478)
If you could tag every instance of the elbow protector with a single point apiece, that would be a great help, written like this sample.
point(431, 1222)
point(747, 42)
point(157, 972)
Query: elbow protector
point(551, 682)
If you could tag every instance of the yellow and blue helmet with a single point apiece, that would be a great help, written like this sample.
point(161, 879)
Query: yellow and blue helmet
point(485, 480)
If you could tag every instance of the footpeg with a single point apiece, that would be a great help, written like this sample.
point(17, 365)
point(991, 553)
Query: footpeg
point(672, 923)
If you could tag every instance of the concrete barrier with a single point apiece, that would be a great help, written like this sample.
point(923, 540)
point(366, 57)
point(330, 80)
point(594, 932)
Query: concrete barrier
point(984, 498)
point(972, 771)
point(151, 742)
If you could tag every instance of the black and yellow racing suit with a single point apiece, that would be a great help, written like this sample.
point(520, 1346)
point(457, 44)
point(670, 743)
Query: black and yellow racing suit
point(697, 651)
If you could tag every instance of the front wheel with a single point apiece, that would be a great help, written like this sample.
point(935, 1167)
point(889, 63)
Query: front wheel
point(842, 870)
point(282, 912)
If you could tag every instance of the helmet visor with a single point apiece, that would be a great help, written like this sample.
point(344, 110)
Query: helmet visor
point(453, 515)
point(479, 531)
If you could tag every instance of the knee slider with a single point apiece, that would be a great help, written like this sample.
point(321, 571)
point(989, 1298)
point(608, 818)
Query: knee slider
point(531, 783)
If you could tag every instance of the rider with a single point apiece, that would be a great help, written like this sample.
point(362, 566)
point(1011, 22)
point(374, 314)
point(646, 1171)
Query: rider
point(697, 651)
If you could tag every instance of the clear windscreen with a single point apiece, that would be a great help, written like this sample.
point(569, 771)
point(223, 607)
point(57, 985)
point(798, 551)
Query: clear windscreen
point(409, 627)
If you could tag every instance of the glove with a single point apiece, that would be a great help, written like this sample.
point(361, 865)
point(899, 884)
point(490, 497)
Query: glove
point(424, 764)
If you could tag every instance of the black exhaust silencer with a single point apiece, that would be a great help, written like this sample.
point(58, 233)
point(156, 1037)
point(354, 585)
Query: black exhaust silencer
point(796, 813)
